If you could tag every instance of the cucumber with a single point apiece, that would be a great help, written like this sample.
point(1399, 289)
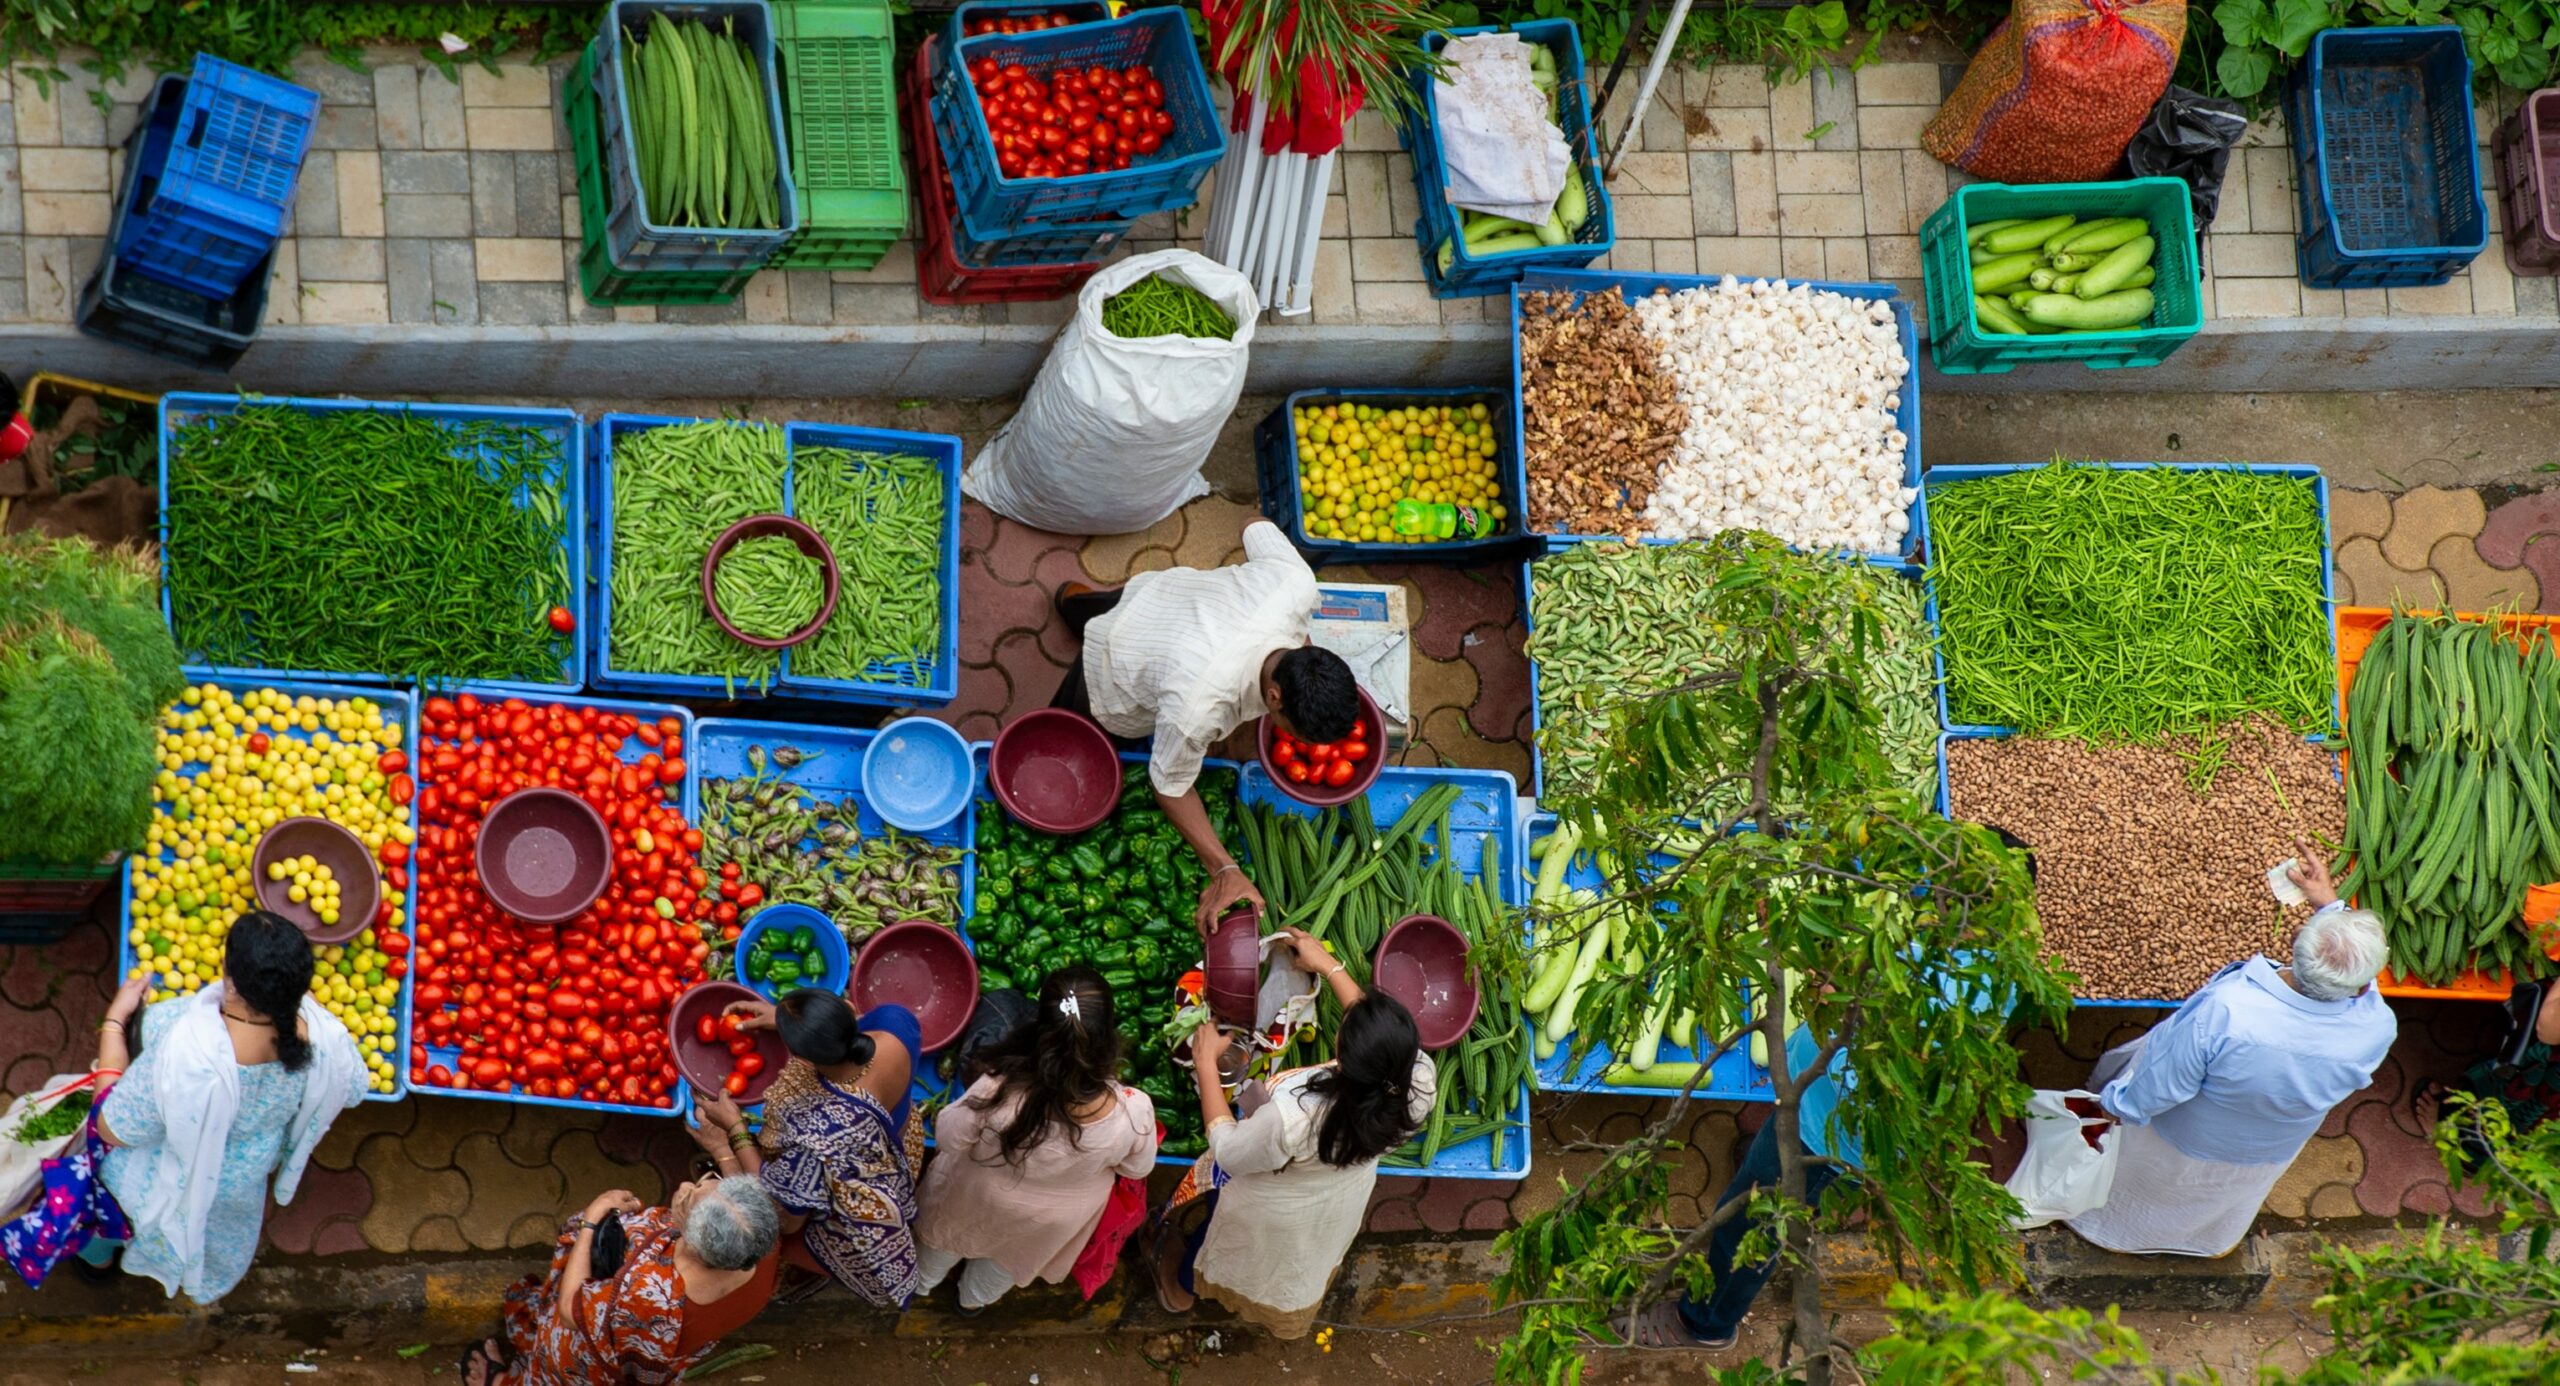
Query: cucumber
point(2003, 273)
point(1973, 234)
point(2025, 235)
point(2080, 313)
point(2042, 278)
point(1994, 315)
point(2109, 274)
point(2069, 262)
point(2099, 236)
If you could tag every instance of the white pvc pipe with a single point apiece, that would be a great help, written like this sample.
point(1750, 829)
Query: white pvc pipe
point(1283, 222)
point(1298, 296)
point(1239, 227)
point(1644, 90)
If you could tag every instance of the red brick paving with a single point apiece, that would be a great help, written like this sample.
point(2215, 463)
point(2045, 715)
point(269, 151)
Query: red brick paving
point(2526, 532)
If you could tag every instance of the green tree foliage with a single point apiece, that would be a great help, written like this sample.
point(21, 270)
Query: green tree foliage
point(165, 35)
point(1908, 943)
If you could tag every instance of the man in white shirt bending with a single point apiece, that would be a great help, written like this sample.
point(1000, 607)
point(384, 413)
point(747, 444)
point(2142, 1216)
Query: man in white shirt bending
point(1188, 656)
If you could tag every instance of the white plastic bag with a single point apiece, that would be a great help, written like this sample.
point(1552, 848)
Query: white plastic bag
point(21, 1162)
point(1113, 433)
point(2062, 1176)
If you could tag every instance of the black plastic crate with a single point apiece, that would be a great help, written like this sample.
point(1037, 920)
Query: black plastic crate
point(128, 308)
point(1275, 465)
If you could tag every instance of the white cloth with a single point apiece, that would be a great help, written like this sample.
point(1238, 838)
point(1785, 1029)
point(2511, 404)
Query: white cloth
point(1499, 147)
point(2246, 1070)
point(982, 1282)
point(195, 1057)
point(1180, 657)
point(1285, 1217)
point(2165, 1201)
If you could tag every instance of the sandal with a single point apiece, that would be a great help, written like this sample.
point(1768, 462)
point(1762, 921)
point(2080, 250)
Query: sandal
point(1170, 1296)
point(1660, 1326)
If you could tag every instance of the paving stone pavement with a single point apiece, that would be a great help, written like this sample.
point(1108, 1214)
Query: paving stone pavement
point(456, 1175)
point(428, 201)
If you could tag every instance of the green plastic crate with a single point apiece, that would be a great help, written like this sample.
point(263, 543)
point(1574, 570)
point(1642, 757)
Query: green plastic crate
point(1962, 346)
point(840, 104)
point(599, 278)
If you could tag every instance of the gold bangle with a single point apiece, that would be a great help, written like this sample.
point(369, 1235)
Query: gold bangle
point(740, 1139)
point(111, 1020)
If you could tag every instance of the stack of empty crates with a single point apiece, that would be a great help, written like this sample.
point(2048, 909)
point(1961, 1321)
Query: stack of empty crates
point(209, 178)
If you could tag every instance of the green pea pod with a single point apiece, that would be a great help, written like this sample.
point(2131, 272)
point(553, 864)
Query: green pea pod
point(2108, 275)
point(2002, 273)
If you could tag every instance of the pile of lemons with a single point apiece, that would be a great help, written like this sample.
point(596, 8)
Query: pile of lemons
point(232, 767)
point(313, 884)
point(1355, 461)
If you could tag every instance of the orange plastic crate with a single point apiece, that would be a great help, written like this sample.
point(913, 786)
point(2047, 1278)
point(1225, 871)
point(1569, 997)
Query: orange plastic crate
point(2357, 626)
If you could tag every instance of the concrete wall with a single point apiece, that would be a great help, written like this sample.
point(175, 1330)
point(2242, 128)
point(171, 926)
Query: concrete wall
point(968, 362)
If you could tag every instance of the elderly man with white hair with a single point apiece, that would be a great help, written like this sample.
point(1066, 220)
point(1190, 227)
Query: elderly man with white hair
point(2216, 1101)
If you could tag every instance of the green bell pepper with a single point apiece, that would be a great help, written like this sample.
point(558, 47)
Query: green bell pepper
point(1059, 869)
point(786, 972)
point(1119, 978)
point(1114, 926)
point(1088, 862)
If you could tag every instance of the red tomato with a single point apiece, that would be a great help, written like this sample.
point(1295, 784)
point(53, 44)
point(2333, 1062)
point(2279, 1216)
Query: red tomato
point(1296, 770)
point(706, 1029)
point(1339, 773)
point(734, 1084)
point(750, 1064)
point(1355, 750)
point(562, 621)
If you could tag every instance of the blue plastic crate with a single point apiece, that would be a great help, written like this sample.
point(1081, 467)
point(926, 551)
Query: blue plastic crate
point(1485, 820)
point(2387, 162)
point(935, 683)
point(1733, 1078)
point(719, 748)
point(562, 424)
point(1473, 276)
point(244, 131)
point(956, 28)
point(215, 179)
point(1912, 572)
point(1157, 39)
point(402, 707)
point(1906, 414)
point(1275, 465)
point(689, 804)
point(1940, 477)
point(120, 304)
point(936, 680)
point(635, 242)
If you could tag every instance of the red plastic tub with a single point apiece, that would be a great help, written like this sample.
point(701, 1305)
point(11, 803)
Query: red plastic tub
point(359, 882)
point(1373, 729)
point(1055, 770)
point(1422, 962)
point(544, 855)
point(925, 968)
point(707, 1066)
point(2528, 174)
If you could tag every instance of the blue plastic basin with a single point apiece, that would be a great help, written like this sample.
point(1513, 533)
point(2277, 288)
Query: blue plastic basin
point(917, 774)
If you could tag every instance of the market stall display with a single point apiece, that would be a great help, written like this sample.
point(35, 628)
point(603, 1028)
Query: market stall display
point(86, 666)
point(2128, 601)
point(238, 757)
point(1673, 406)
point(665, 490)
point(2146, 882)
point(888, 505)
point(571, 1014)
point(373, 540)
point(1468, 253)
point(2386, 170)
point(91, 459)
point(1432, 471)
point(2450, 771)
point(698, 166)
point(962, 260)
point(1570, 899)
point(1420, 841)
point(1652, 636)
point(1118, 897)
point(2105, 274)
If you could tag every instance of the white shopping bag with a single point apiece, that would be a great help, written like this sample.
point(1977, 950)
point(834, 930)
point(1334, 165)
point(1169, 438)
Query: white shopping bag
point(2062, 1175)
point(22, 1162)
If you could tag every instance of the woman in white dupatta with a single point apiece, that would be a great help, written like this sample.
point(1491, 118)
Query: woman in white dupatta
point(235, 1084)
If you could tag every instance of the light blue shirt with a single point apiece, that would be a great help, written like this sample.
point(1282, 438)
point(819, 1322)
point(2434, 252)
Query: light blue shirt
point(1821, 1098)
point(2246, 1070)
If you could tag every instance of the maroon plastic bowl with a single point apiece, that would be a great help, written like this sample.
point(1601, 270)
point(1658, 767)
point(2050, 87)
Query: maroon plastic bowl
point(1422, 962)
point(924, 967)
point(1231, 968)
point(544, 855)
point(1055, 770)
point(359, 883)
point(1373, 727)
point(706, 1066)
point(756, 527)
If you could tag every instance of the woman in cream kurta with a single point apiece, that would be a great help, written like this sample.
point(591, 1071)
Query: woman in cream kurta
point(1030, 1219)
point(1280, 1214)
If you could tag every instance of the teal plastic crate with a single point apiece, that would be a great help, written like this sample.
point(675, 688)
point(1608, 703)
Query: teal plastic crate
point(1962, 346)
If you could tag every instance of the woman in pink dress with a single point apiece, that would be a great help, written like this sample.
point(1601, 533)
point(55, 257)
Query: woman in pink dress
point(1025, 1161)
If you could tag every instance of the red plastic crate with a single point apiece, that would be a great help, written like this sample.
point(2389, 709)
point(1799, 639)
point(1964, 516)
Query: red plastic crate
point(939, 277)
point(2528, 152)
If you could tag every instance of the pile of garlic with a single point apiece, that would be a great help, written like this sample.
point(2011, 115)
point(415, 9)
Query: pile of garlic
point(1791, 393)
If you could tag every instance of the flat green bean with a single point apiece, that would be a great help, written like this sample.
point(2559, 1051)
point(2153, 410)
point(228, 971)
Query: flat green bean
point(675, 488)
point(768, 588)
point(882, 514)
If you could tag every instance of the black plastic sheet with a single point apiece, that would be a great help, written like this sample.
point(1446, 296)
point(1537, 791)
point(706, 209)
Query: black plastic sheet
point(2189, 136)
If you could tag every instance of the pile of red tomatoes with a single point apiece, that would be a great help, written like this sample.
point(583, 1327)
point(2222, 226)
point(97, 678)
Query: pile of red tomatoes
point(575, 1010)
point(1077, 120)
point(721, 1031)
point(1017, 24)
point(1329, 763)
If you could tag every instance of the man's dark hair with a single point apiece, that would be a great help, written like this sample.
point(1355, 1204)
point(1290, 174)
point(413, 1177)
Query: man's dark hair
point(1317, 693)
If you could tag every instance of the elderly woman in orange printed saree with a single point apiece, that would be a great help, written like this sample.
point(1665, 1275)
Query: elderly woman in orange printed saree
point(691, 1272)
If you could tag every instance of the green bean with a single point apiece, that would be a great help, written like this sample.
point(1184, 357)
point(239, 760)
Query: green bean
point(882, 515)
point(367, 541)
point(768, 588)
point(1159, 307)
point(2129, 605)
point(675, 488)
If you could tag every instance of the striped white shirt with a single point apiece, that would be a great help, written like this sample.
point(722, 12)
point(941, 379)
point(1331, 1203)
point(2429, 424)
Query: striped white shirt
point(1180, 657)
